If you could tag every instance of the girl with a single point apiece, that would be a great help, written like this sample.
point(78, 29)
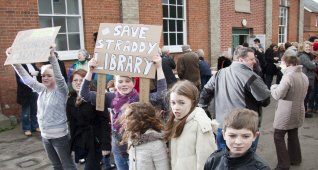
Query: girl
point(51, 111)
point(189, 129)
point(90, 129)
point(117, 101)
point(147, 150)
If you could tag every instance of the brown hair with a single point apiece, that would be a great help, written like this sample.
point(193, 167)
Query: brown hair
point(185, 88)
point(290, 60)
point(110, 84)
point(242, 119)
point(138, 118)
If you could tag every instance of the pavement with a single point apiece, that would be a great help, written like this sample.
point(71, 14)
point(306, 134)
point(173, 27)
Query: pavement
point(26, 153)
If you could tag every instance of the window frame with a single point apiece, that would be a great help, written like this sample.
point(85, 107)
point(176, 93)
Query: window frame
point(284, 36)
point(177, 48)
point(68, 54)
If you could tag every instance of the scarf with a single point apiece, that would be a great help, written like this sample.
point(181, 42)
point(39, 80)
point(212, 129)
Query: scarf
point(117, 104)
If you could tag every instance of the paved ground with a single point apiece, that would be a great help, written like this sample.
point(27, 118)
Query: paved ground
point(20, 152)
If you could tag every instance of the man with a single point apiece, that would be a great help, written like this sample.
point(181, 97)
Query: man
point(258, 45)
point(167, 66)
point(188, 66)
point(236, 86)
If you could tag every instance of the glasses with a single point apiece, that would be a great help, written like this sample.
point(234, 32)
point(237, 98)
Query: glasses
point(77, 81)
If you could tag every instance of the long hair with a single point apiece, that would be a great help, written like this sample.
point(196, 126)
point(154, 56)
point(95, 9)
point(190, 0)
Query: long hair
point(185, 88)
point(138, 118)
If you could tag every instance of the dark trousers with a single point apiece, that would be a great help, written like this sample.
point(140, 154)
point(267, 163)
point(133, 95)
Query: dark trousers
point(293, 154)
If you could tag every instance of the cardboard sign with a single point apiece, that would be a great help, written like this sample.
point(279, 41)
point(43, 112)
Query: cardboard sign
point(127, 49)
point(32, 46)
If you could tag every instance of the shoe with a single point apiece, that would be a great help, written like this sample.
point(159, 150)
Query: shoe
point(37, 130)
point(308, 115)
point(81, 161)
point(27, 133)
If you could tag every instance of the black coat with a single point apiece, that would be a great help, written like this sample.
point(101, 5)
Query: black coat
point(24, 92)
point(271, 68)
point(90, 129)
point(220, 160)
point(167, 66)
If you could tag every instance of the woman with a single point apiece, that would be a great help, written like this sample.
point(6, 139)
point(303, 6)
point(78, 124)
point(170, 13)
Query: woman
point(81, 63)
point(90, 129)
point(290, 112)
point(51, 111)
point(189, 129)
point(271, 69)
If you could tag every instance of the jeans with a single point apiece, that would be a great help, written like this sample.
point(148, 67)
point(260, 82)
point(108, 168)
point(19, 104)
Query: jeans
point(121, 159)
point(293, 154)
point(106, 162)
point(220, 142)
point(59, 152)
point(28, 114)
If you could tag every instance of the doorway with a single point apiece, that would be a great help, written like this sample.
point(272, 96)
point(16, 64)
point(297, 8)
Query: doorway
point(239, 36)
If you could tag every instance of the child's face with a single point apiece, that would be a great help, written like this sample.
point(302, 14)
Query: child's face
point(180, 105)
point(238, 140)
point(124, 85)
point(48, 78)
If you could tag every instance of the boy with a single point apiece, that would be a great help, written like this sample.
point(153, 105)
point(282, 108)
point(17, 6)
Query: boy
point(240, 129)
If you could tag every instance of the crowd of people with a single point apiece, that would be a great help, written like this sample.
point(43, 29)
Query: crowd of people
point(194, 119)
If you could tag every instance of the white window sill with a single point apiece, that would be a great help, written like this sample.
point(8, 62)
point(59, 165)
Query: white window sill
point(67, 55)
point(175, 48)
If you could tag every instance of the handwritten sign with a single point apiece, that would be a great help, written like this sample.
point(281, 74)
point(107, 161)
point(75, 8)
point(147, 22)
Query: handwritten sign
point(32, 46)
point(126, 49)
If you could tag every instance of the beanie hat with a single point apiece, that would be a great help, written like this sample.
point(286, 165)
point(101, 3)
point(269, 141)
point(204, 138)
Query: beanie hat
point(315, 46)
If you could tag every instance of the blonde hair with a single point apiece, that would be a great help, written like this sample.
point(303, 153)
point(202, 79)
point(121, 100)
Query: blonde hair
point(45, 67)
point(301, 46)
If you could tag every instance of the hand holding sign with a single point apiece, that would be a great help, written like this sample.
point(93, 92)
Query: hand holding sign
point(157, 60)
point(92, 65)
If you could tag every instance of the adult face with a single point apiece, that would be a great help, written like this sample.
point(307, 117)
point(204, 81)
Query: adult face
point(124, 85)
point(80, 56)
point(249, 60)
point(76, 82)
point(238, 140)
point(307, 48)
point(48, 79)
point(180, 105)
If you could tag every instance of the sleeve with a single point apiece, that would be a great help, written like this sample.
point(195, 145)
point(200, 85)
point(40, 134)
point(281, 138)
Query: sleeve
point(104, 117)
point(279, 91)
point(209, 163)
point(88, 96)
point(160, 157)
point(180, 68)
point(258, 88)
point(306, 62)
point(158, 96)
point(70, 118)
point(206, 139)
point(60, 82)
point(207, 92)
point(172, 63)
point(27, 79)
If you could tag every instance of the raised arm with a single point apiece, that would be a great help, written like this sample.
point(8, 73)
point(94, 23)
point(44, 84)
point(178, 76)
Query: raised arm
point(157, 97)
point(60, 82)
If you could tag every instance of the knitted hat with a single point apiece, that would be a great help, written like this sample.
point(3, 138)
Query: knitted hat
point(315, 46)
point(186, 48)
point(200, 52)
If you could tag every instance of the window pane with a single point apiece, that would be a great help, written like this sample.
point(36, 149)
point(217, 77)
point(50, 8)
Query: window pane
point(165, 25)
point(165, 1)
point(172, 37)
point(45, 22)
point(59, 6)
point(165, 39)
point(173, 11)
point(180, 39)
point(165, 11)
point(45, 6)
point(74, 41)
point(72, 24)
point(280, 21)
point(61, 42)
point(180, 2)
point(60, 21)
point(179, 25)
point(172, 1)
point(180, 12)
point(72, 7)
point(172, 25)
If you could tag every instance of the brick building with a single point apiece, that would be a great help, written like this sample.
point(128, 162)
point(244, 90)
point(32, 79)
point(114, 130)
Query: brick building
point(310, 19)
point(213, 25)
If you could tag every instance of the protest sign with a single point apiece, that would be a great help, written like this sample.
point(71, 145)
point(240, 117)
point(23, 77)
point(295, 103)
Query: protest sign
point(126, 49)
point(32, 46)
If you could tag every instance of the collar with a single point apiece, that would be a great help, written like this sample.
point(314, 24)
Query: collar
point(238, 161)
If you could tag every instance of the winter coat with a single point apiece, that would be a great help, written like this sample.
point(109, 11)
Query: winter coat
point(220, 160)
point(167, 66)
point(309, 67)
point(192, 148)
point(188, 68)
point(271, 68)
point(293, 87)
point(149, 152)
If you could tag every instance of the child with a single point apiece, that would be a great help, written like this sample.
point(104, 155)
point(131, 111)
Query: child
point(51, 112)
point(117, 101)
point(239, 131)
point(189, 129)
point(147, 150)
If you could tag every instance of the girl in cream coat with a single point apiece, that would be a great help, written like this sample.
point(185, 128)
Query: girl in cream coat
point(189, 129)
